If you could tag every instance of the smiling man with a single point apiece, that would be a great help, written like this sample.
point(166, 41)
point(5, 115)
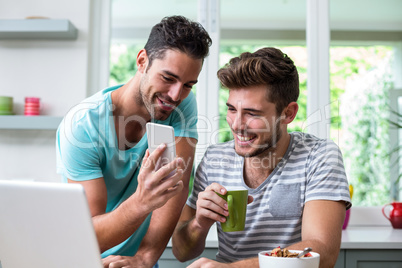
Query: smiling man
point(296, 182)
point(101, 144)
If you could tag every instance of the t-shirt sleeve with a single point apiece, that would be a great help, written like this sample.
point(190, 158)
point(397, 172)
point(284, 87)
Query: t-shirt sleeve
point(326, 177)
point(200, 182)
point(77, 151)
point(184, 118)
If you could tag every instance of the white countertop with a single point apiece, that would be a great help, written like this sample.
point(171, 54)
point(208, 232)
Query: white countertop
point(371, 238)
point(352, 238)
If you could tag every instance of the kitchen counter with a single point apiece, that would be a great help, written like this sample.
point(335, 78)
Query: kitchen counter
point(353, 237)
point(371, 238)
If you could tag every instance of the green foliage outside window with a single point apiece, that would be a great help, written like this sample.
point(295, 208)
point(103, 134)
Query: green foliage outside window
point(364, 114)
point(123, 60)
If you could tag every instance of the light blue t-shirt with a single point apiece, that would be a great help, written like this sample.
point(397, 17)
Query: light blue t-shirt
point(87, 148)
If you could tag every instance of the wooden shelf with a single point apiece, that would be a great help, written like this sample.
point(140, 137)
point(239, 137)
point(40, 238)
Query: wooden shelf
point(37, 29)
point(29, 122)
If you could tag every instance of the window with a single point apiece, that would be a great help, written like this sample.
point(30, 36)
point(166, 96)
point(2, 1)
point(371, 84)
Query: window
point(364, 46)
point(360, 84)
point(364, 74)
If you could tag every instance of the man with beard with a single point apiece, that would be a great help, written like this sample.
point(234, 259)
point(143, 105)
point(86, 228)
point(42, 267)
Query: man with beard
point(101, 144)
point(298, 191)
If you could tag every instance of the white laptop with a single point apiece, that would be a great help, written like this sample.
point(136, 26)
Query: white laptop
point(46, 225)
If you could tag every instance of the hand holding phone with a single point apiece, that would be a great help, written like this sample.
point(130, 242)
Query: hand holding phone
point(157, 134)
point(157, 184)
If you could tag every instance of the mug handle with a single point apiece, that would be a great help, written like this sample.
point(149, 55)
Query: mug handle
point(231, 220)
point(383, 211)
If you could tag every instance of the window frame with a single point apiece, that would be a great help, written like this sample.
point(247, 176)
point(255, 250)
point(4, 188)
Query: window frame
point(208, 11)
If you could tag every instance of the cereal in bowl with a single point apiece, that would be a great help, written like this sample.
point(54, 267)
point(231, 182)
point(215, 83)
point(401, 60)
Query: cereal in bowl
point(285, 253)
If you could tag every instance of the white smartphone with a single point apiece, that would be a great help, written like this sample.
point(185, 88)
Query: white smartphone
point(157, 134)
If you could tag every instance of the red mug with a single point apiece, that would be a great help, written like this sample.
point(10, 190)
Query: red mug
point(395, 215)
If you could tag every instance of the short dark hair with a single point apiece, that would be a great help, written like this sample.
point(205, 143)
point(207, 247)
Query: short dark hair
point(178, 33)
point(267, 66)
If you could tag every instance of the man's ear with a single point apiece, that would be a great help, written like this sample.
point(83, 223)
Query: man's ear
point(289, 113)
point(142, 61)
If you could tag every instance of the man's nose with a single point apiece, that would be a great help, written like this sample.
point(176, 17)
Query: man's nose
point(175, 91)
point(238, 123)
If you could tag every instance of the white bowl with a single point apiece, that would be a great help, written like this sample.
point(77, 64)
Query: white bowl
point(306, 262)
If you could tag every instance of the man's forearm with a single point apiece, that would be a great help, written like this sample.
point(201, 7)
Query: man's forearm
point(328, 253)
point(115, 227)
point(248, 263)
point(165, 218)
point(188, 240)
point(160, 230)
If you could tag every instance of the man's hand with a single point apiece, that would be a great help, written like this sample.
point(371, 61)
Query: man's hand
point(114, 261)
point(211, 207)
point(154, 189)
point(207, 263)
point(191, 231)
point(189, 237)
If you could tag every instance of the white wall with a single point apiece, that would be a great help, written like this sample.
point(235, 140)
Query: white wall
point(56, 71)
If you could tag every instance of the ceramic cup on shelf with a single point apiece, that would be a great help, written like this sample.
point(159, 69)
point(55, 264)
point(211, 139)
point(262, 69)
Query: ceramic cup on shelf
point(6, 105)
point(32, 106)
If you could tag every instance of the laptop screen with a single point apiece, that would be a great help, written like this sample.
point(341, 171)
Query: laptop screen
point(46, 225)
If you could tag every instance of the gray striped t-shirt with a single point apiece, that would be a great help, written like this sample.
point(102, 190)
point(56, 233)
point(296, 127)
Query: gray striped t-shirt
point(311, 169)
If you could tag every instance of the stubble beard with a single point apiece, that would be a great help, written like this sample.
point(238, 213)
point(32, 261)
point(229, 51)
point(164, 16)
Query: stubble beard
point(149, 102)
point(268, 146)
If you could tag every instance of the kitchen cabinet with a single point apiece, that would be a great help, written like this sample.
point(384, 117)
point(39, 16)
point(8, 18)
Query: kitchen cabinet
point(340, 262)
point(372, 258)
point(37, 29)
point(369, 258)
point(22, 122)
